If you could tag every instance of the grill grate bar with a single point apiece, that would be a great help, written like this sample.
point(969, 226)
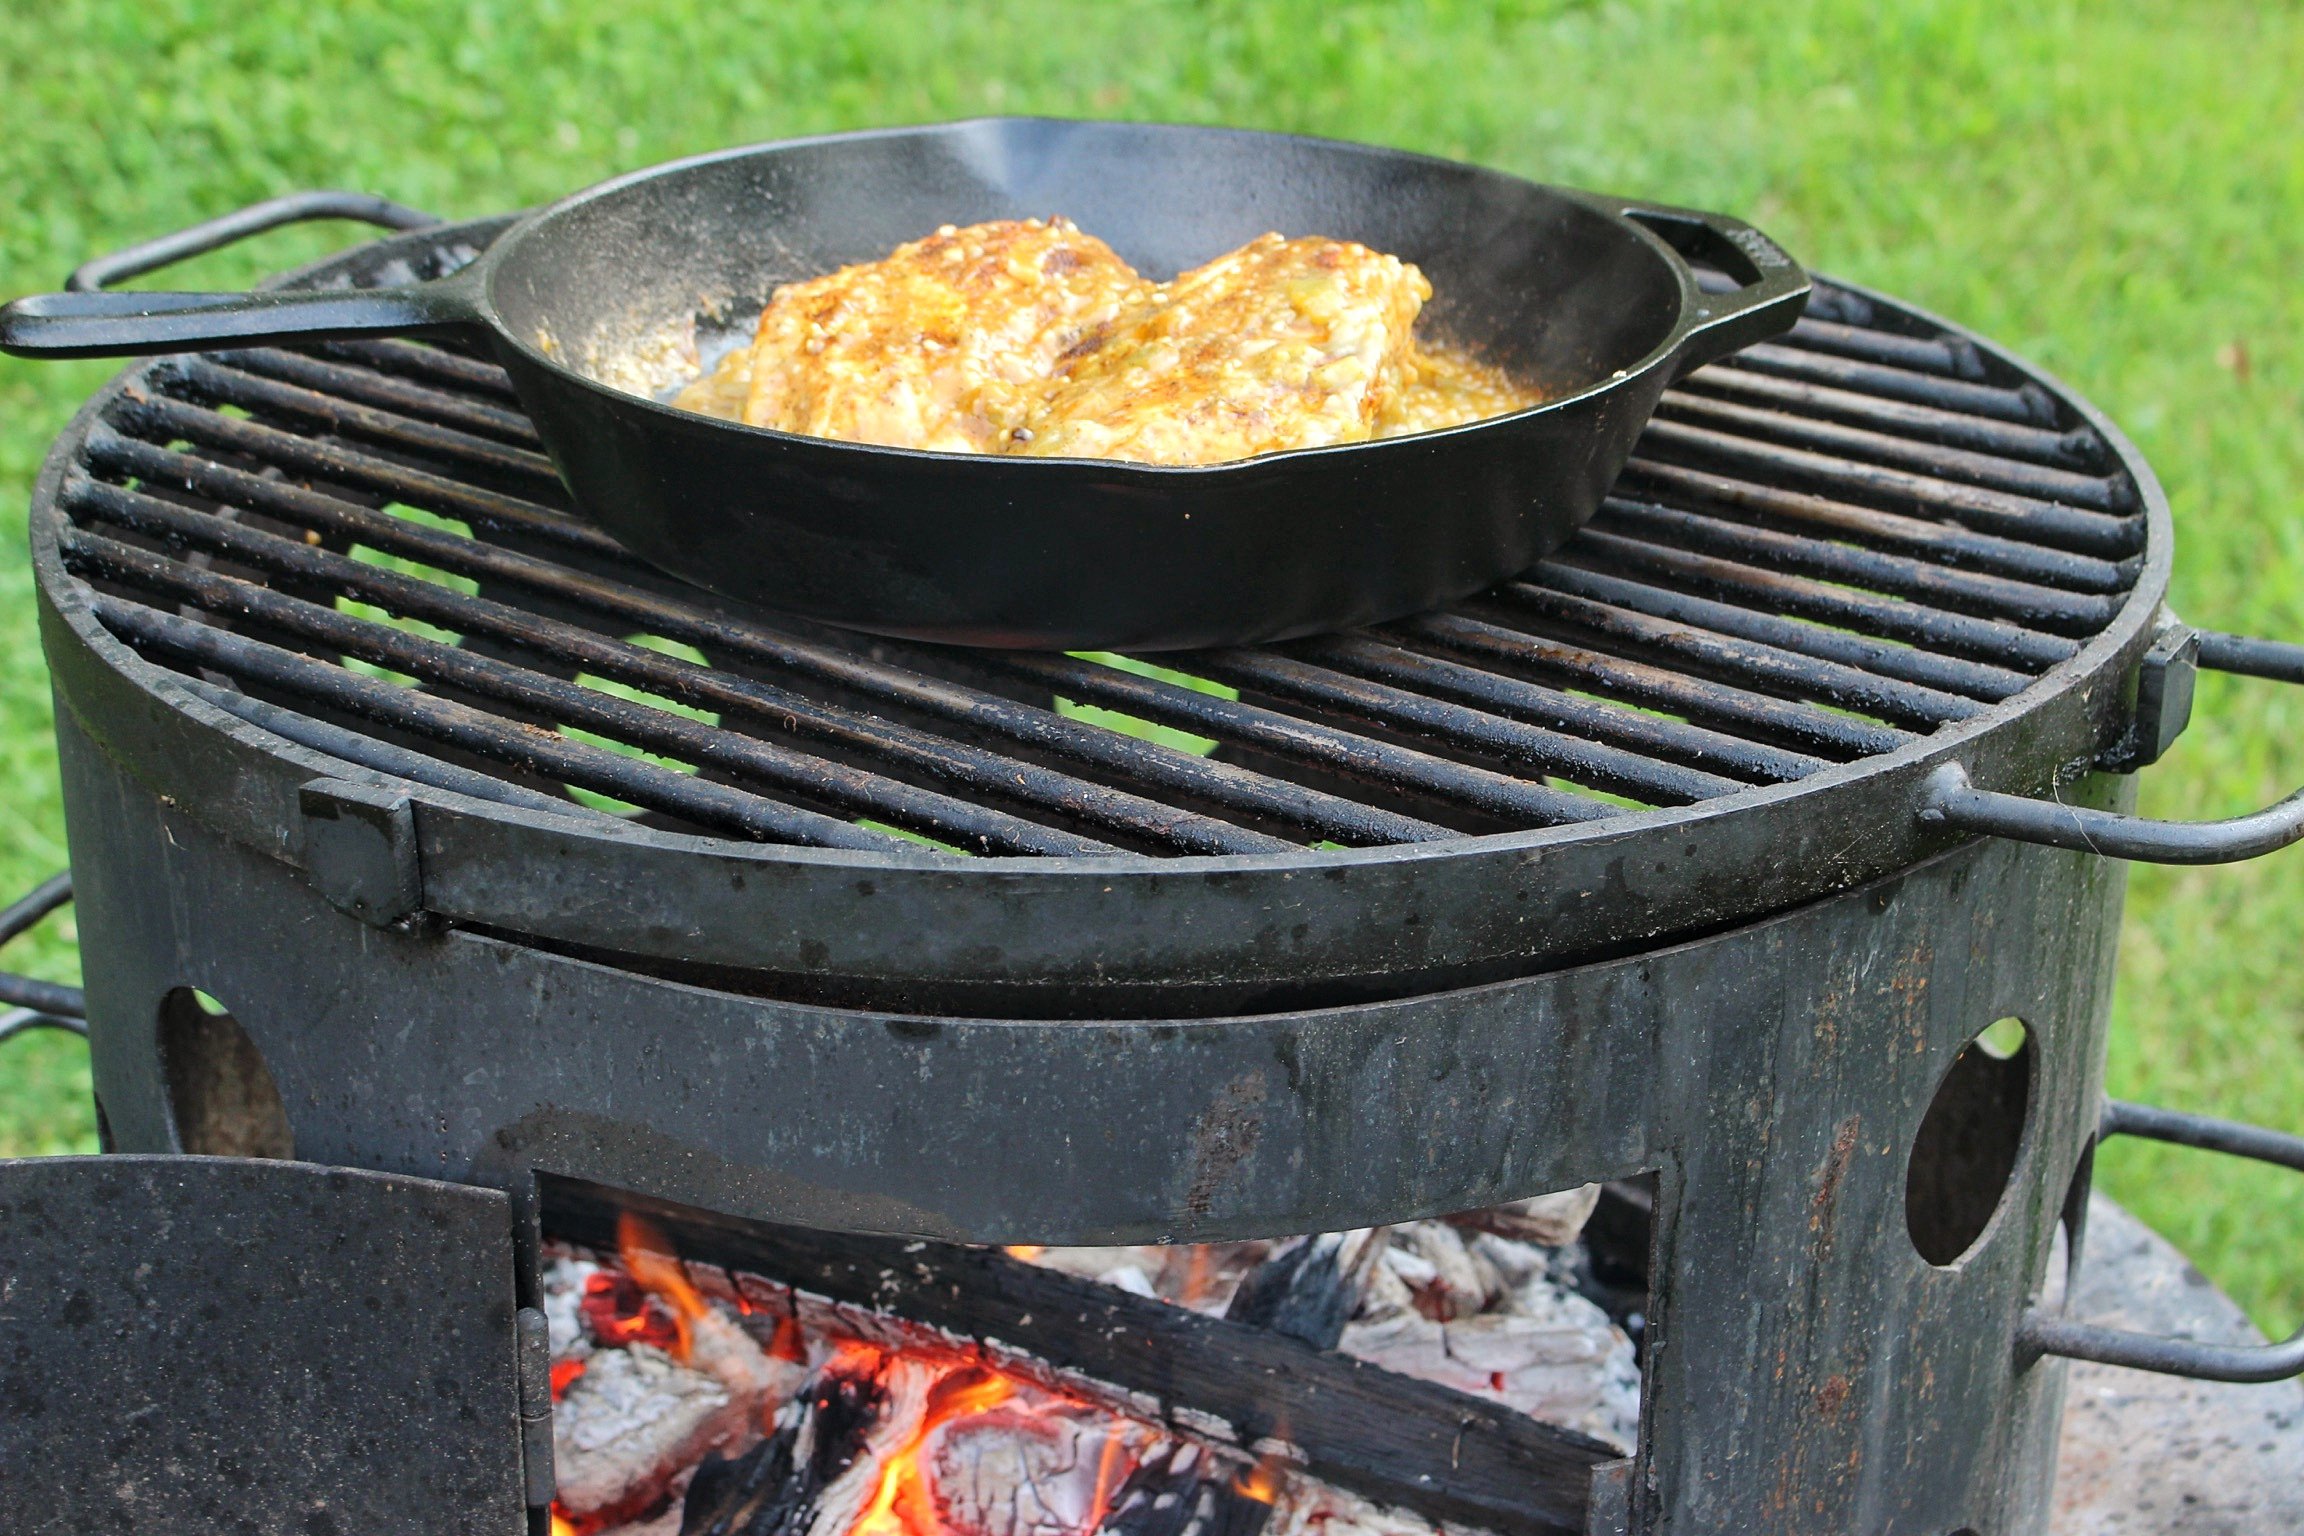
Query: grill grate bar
point(2102, 493)
point(1526, 748)
point(731, 812)
point(1285, 736)
point(1783, 722)
point(1944, 355)
point(1949, 634)
point(1515, 698)
point(1942, 543)
point(207, 380)
point(2027, 405)
point(165, 420)
point(1147, 764)
point(2020, 517)
point(386, 391)
point(2075, 450)
point(383, 756)
point(1927, 669)
point(1970, 592)
point(1748, 664)
point(968, 768)
point(655, 730)
point(435, 364)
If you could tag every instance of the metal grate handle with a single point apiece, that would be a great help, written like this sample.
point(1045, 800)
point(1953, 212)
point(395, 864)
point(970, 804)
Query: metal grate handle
point(1950, 800)
point(35, 1004)
point(2043, 1333)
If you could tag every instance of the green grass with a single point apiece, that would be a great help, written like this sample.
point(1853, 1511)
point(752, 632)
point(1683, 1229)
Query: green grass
point(2116, 189)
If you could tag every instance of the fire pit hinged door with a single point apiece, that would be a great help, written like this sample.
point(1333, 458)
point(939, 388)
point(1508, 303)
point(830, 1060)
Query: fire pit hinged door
point(197, 1343)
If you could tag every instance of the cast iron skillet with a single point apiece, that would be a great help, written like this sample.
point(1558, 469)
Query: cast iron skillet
point(1593, 298)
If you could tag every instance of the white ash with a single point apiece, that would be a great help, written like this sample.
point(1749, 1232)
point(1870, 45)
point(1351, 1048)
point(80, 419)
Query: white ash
point(1552, 1221)
point(562, 1285)
point(1307, 1507)
point(627, 1428)
point(1028, 1470)
point(1201, 1276)
point(1485, 1317)
point(632, 1420)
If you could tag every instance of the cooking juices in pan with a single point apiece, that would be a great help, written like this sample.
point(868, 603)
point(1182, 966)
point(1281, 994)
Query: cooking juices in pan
point(1032, 337)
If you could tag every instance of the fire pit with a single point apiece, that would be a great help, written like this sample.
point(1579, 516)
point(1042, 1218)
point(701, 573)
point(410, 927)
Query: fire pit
point(1749, 856)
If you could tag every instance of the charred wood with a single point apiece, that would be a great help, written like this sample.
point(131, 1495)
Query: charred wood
point(1311, 1286)
point(1182, 1492)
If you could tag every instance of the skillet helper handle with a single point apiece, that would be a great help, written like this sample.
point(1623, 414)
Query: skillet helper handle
point(2044, 1333)
point(272, 213)
point(1950, 800)
point(1771, 288)
point(85, 321)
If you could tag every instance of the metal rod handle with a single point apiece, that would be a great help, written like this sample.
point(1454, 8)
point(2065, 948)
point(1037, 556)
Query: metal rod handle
point(295, 208)
point(1950, 800)
point(2041, 1333)
point(18, 1021)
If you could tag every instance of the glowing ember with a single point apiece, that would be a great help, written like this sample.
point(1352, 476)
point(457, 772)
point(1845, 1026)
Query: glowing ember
point(564, 1374)
point(619, 1313)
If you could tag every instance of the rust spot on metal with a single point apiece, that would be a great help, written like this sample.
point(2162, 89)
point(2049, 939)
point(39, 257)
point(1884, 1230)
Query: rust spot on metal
point(1832, 1396)
point(1828, 1180)
point(1224, 1137)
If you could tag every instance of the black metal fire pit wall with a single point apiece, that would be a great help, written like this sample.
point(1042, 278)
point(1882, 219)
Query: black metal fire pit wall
point(1806, 1356)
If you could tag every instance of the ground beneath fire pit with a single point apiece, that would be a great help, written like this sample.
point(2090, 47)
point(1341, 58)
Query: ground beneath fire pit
point(2148, 1455)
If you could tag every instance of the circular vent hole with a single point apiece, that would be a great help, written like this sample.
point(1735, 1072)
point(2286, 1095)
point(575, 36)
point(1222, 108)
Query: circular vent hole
point(220, 1092)
point(1968, 1143)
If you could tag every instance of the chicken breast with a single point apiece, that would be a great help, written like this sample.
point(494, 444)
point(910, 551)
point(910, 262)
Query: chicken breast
point(1279, 344)
point(943, 344)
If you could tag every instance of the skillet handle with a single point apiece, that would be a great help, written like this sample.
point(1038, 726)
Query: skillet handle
point(85, 322)
point(1771, 288)
point(54, 325)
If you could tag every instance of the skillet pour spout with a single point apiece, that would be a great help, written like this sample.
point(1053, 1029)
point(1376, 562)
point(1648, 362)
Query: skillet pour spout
point(1595, 299)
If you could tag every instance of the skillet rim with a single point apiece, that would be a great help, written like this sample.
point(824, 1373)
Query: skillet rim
point(1611, 209)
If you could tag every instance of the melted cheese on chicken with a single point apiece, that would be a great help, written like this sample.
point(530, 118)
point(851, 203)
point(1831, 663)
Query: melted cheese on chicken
point(941, 344)
point(1279, 344)
point(1034, 338)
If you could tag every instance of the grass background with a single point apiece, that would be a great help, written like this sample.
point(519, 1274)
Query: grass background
point(2116, 189)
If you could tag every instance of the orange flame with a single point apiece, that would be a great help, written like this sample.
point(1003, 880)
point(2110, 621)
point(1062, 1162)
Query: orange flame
point(1025, 1251)
point(902, 1505)
point(1263, 1481)
point(649, 1260)
point(561, 1524)
point(1109, 1472)
point(1195, 1276)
